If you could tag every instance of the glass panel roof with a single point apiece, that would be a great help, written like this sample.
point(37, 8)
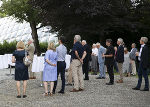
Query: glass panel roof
point(11, 30)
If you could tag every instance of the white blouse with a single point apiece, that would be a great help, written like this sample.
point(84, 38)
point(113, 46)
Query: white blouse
point(95, 51)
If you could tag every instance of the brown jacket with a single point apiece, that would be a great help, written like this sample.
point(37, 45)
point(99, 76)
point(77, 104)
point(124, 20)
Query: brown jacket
point(30, 49)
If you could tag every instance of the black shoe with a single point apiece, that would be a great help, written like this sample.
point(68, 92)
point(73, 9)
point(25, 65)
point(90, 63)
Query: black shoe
point(69, 85)
point(61, 92)
point(145, 89)
point(99, 78)
point(24, 96)
point(109, 83)
point(136, 88)
point(18, 96)
point(86, 79)
point(53, 92)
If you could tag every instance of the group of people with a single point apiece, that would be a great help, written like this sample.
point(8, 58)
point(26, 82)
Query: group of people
point(21, 70)
point(118, 58)
point(123, 60)
point(102, 60)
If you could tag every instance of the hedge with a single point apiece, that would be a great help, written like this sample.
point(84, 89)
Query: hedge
point(8, 48)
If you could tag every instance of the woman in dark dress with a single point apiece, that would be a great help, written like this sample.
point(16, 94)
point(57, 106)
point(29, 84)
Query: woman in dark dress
point(21, 71)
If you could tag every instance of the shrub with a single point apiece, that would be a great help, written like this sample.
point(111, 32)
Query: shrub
point(43, 47)
point(8, 48)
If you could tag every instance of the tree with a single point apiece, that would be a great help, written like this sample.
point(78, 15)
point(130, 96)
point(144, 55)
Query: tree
point(23, 11)
point(142, 13)
point(96, 19)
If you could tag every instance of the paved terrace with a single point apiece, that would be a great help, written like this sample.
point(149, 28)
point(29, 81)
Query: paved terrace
point(96, 94)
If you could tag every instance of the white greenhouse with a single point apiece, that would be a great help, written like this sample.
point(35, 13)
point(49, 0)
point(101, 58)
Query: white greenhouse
point(11, 30)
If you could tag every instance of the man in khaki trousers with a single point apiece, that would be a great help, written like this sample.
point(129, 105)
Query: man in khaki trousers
point(69, 79)
point(120, 58)
point(133, 58)
point(30, 48)
point(78, 54)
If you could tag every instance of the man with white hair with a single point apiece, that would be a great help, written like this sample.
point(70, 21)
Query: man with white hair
point(84, 42)
point(30, 48)
point(86, 59)
point(101, 60)
point(133, 58)
point(98, 45)
point(120, 58)
point(78, 55)
point(143, 57)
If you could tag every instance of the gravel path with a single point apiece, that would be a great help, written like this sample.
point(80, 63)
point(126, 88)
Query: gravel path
point(96, 94)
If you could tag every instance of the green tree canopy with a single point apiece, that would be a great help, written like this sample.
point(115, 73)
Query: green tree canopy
point(96, 19)
point(22, 10)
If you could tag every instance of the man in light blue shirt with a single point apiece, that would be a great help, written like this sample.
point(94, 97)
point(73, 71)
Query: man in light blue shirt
point(61, 65)
point(101, 60)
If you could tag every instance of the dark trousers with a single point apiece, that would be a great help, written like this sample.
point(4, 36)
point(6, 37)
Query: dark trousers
point(110, 73)
point(61, 65)
point(142, 72)
point(85, 68)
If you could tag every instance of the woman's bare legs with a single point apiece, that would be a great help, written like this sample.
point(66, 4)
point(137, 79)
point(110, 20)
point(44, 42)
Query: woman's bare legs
point(51, 86)
point(18, 87)
point(45, 86)
point(24, 87)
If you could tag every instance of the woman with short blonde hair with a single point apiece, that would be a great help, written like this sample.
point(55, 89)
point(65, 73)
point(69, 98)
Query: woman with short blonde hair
point(21, 71)
point(20, 45)
point(51, 46)
point(50, 69)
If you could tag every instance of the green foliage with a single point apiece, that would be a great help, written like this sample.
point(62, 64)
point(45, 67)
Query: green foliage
point(43, 47)
point(21, 10)
point(2, 15)
point(8, 48)
point(96, 20)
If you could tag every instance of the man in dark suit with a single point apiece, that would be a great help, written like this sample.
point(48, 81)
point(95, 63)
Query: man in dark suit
point(120, 58)
point(85, 65)
point(143, 65)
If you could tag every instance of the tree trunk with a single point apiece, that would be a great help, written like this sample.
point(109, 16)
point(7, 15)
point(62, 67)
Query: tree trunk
point(35, 37)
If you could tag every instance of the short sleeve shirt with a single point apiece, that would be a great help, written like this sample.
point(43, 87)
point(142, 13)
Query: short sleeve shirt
point(79, 48)
point(110, 60)
point(61, 52)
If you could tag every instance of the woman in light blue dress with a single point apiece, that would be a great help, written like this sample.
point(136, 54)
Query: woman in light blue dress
point(50, 68)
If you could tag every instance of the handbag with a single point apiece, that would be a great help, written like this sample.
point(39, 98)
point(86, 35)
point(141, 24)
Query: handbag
point(26, 60)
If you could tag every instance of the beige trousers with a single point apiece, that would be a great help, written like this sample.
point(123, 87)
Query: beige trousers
point(133, 66)
point(69, 79)
point(32, 74)
point(120, 68)
point(76, 67)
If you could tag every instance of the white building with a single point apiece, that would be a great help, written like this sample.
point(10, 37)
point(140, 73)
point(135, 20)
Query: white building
point(11, 30)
